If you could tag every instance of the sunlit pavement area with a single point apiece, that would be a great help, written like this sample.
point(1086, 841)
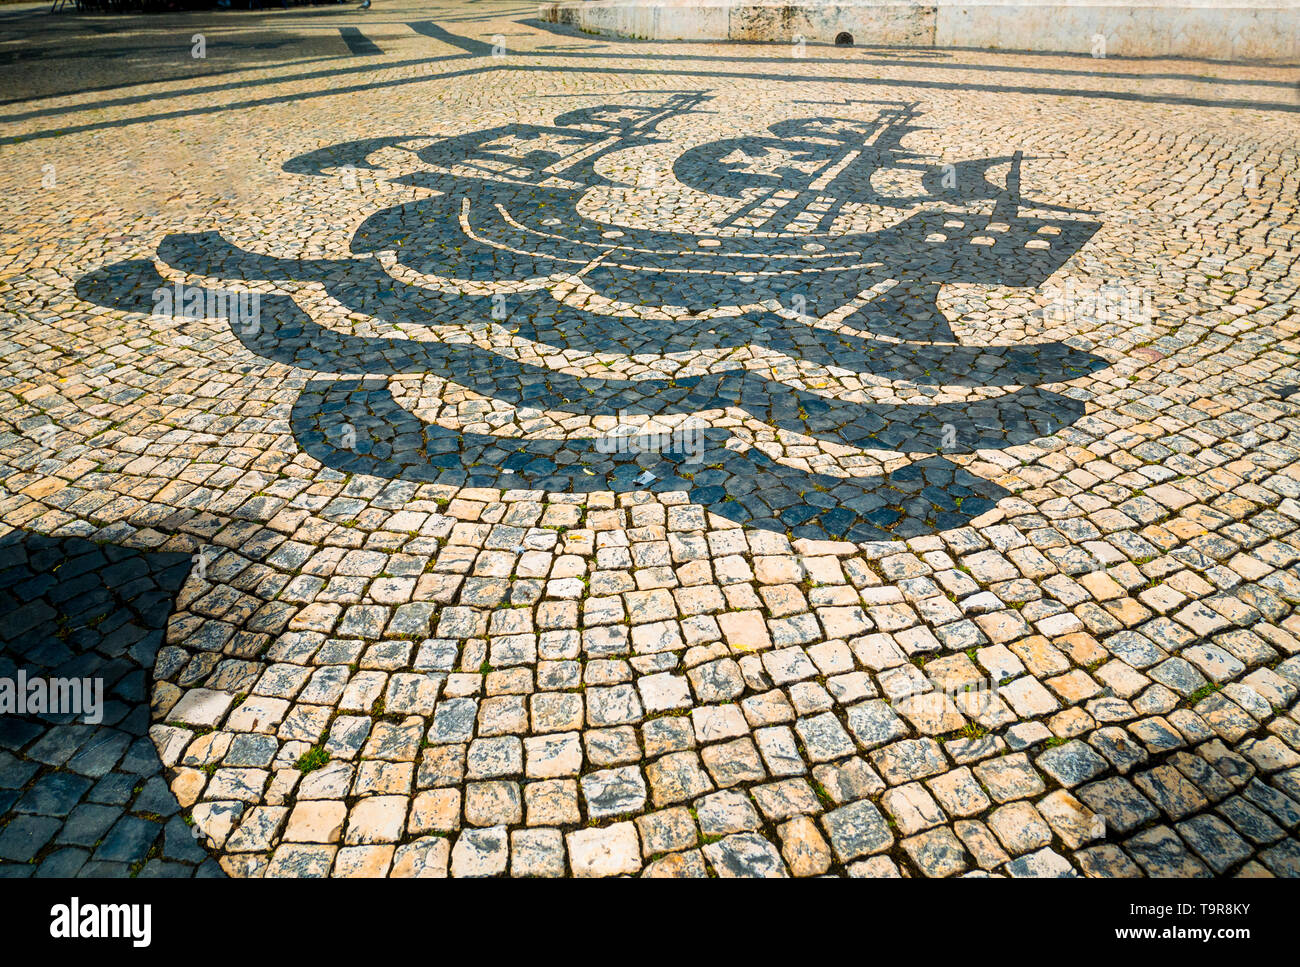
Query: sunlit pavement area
point(466, 446)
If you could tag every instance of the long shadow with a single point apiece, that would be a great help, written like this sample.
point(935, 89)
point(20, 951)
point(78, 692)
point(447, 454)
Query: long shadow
point(174, 46)
point(470, 45)
point(475, 48)
point(78, 91)
point(359, 45)
point(241, 105)
point(85, 794)
point(218, 88)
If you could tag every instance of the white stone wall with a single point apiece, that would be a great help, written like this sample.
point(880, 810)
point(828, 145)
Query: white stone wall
point(1239, 30)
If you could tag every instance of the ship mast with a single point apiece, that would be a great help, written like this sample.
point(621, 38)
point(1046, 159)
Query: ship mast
point(855, 157)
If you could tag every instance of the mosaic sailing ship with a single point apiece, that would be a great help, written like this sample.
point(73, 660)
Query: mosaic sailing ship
point(826, 261)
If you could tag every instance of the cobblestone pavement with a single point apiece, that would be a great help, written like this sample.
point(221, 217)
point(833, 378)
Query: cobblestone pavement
point(82, 798)
point(596, 457)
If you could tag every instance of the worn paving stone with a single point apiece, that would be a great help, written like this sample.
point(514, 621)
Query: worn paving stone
point(1170, 790)
point(1045, 863)
point(857, 830)
point(687, 865)
point(667, 830)
point(537, 852)
point(1071, 820)
point(803, 847)
point(937, 852)
point(1214, 841)
point(610, 851)
point(746, 855)
point(1071, 764)
point(1161, 853)
point(1120, 802)
point(1009, 777)
point(480, 852)
point(1106, 862)
point(614, 792)
point(729, 811)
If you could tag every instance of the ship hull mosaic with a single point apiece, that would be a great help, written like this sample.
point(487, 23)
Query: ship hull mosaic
point(501, 249)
